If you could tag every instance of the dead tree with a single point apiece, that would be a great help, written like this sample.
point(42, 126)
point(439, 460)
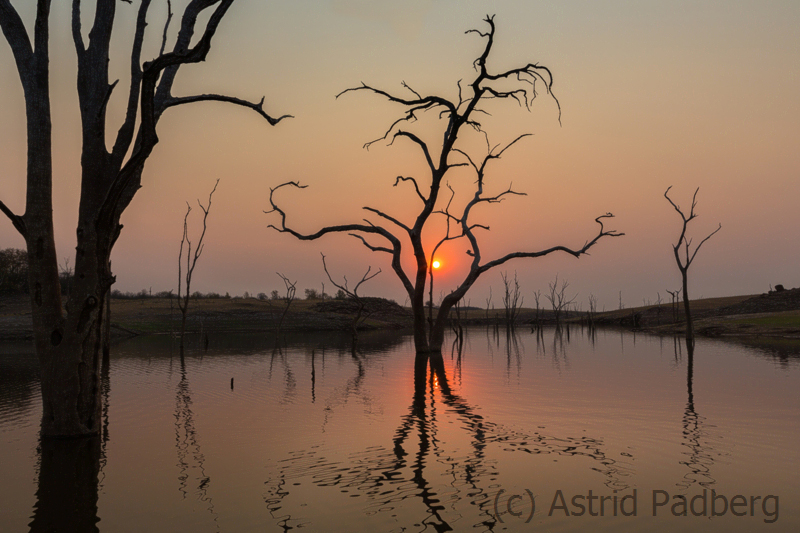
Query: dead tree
point(674, 303)
point(291, 290)
point(191, 259)
point(558, 298)
point(353, 295)
point(488, 303)
point(659, 301)
point(592, 309)
point(453, 116)
point(536, 298)
point(68, 341)
point(512, 298)
point(684, 262)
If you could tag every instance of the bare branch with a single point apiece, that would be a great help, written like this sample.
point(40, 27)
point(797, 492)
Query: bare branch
point(344, 228)
point(17, 37)
point(421, 144)
point(370, 246)
point(416, 187)
point(683, 240)
point(257, 107)
point(125, 132)
point(701, 243)
point(498, 198)
point(419, 103)
point(354, 293)
point(575, 253)
point(166, 28)
point(77, 37)
point(16, 220)
point(415, 93)
point(387, 217)
point(352, 229)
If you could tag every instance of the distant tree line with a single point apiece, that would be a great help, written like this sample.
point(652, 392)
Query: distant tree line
point(14, 272)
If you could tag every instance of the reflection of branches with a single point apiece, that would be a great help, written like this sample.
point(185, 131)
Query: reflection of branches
point(513, 347)
point(187, 446)
point(288, 376)
point(388, 476)
point(695, 436)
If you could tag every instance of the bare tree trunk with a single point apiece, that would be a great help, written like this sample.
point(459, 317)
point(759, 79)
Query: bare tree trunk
point(191, 260)
point(69, 345)
point(686, 307)
point(685, 262)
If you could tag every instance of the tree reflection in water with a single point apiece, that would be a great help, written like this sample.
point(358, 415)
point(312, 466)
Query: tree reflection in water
point(696, 435)
point(418, 467)
point(190, 458)
point(66, 499)
point(69, 477)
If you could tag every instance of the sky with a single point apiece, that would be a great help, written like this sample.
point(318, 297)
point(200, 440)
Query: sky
point(653, 94)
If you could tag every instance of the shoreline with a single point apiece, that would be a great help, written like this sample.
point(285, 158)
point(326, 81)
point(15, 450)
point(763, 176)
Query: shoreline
point(717, 317)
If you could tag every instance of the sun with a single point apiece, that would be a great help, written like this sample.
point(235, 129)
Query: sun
point(436, 264)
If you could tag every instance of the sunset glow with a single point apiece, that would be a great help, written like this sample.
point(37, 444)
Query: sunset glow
point(436, 264)
point(630, 126)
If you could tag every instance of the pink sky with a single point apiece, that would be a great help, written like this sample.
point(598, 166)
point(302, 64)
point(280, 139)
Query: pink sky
point(653, 94)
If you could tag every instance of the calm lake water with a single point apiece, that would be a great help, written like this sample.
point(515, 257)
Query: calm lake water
point(558, 432)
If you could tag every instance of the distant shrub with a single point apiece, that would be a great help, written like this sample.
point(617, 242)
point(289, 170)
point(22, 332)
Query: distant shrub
point(312, 294)
point(13, 271)
point(262, 296)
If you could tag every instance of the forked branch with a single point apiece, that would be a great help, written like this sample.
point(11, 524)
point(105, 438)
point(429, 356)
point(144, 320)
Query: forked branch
point(356, 230)
point(683, 241)
point(191, 259)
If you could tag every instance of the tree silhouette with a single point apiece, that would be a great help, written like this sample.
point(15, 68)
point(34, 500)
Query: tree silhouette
point(520, 84)
point(684, 245)
point(185, 279)
point(69, 342)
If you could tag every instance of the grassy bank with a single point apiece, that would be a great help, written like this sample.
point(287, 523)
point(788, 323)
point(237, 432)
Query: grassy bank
point(772, 315)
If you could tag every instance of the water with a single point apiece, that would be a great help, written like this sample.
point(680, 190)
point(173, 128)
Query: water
point(515, 434)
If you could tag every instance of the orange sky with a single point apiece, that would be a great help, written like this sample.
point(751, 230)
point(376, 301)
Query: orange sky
point(653, 94)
